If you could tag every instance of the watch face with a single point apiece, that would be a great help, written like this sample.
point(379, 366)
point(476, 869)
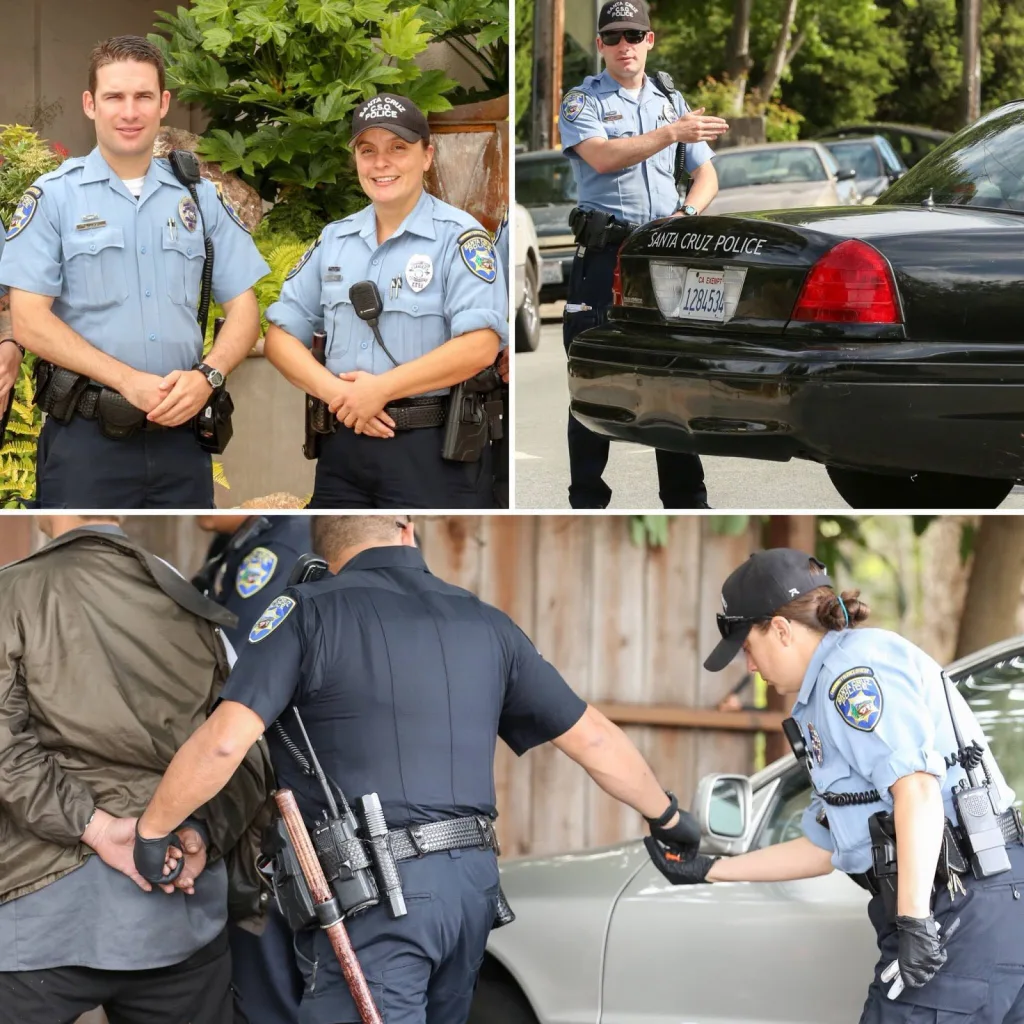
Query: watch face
point(216, 378)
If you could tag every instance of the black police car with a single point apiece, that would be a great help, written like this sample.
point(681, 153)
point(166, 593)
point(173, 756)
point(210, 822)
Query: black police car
point(884, 341)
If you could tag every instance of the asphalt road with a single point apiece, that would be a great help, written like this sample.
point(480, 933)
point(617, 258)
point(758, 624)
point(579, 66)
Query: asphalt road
point(542, 461)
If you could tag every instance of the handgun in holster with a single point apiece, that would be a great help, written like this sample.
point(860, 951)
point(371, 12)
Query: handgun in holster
point(318, 418)
point(474, 417)
point(882, 830)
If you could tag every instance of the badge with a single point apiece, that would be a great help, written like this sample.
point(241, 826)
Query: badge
point(255, 571)
point(858, 698)
point(188, 213)
point(218, 580)
point(277, 611)
point(25, 211)
point(419, 272)
point(668, 112)
point(302, 261)
point(477, 253)
point(573, 103)
point(226, 203)
point(816, 748)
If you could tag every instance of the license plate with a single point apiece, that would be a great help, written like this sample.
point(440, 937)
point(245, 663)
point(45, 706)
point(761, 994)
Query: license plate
point(689, 293)
point(551, 272)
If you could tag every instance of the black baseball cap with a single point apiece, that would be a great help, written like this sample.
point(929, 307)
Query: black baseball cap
point(619, 14)
point(755, 591)
point(395, 113)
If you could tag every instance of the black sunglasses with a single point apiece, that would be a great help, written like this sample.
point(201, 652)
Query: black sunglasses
point(728, 623)
point(633, 36)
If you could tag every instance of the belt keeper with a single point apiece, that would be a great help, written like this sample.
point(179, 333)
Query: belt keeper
point(328, 913)
point(418, 843)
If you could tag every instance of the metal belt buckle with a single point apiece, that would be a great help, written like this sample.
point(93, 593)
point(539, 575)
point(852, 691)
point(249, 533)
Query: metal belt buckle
point(418, 840)
point(489, 838)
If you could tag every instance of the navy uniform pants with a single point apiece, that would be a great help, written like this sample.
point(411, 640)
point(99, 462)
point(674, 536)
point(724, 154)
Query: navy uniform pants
point(77, 467)
point(421, 968)
point(404, 471)
point(982, 981)
point(680, 475)
point(264, 973)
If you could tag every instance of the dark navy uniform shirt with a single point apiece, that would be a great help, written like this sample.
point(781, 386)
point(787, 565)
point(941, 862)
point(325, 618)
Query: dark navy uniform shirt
point(404, 683)
point(253, 573)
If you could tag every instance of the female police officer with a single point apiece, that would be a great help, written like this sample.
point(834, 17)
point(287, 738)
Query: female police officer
point(444, 316)
point(872, 710)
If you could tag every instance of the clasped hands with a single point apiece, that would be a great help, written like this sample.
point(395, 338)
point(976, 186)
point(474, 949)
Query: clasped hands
point(171, 400)
point(114, 842)
point(358, 403)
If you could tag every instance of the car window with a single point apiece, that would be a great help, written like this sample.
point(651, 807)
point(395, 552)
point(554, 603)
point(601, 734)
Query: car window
point(860, 155)
point(889, 157)
point(782, 822)
point(983, 165)
point(539, 182)
point(830, 161)
point(768, 167)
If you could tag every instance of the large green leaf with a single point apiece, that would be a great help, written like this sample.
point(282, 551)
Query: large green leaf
point(334, 106)
point(400, 34)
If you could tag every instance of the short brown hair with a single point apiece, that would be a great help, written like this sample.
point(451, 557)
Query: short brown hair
point(121, 48)
point(822, 608)
point(332, 534)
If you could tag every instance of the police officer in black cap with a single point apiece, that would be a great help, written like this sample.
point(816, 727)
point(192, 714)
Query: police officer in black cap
point(247, 567)
point(406, 683)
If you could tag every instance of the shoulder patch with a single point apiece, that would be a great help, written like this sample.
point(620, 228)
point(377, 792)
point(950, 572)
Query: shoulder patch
point(232, 212)
point(477, 252)
point(573, 103)
point(858, 698)
point(255, 572)
point(302, 260)
point(25, 211)
point(277, 611)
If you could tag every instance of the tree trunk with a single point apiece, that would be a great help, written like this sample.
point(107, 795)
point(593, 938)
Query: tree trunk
point(993, 592)
point(737, 56)
point(971, 89)
point(781, 55)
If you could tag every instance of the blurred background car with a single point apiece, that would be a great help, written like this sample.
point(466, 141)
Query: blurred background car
point(779, 176)
point(601, 936)
point(910, 141)
point(546, 187)
point(875, 161)
point(529, 270)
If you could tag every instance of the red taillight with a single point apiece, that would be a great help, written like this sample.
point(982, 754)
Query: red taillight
point(617, 277)
point(850, 284)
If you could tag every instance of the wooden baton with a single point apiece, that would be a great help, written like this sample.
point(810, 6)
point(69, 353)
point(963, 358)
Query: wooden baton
point(327, 908)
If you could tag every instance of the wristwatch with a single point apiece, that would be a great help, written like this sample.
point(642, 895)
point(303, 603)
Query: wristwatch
point(213, 376)
point(689, 211)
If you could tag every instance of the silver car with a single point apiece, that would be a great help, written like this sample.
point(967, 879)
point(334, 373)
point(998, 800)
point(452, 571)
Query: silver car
point(602, 938)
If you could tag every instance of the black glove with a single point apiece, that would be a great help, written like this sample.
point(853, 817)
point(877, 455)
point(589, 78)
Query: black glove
point(150, 855)
point(679, 870)
point(920, 954)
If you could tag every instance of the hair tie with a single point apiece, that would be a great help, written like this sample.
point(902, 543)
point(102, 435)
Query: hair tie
point(846, 614)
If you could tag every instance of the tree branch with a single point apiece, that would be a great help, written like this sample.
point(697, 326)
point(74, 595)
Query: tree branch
point(777, 62)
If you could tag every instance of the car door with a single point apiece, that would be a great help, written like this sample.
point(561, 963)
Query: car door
point(794, 952)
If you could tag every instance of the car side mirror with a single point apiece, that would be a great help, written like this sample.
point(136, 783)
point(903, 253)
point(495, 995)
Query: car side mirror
point(845, 174)
point(896, 175)
point(722, 807)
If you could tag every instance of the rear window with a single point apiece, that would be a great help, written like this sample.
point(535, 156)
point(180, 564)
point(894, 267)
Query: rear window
point(768, 167)
point(539, 182)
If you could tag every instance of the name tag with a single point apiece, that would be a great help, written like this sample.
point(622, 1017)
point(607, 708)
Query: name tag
point(89, 222)
point(328, 278)
point(615, 115)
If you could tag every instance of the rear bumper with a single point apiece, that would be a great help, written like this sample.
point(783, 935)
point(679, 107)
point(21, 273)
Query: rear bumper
point(877, 405)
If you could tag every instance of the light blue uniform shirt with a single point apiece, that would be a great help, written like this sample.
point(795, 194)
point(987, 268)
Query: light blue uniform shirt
point(872, 710)
point(125, 273)
point(438, 278)
point(601, 109)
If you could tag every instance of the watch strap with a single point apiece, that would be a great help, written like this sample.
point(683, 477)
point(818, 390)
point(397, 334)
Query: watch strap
point(666, 817)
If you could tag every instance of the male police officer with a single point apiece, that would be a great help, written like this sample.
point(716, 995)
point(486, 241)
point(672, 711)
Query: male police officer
point(444, 316)
point(104, 259)
point(246, 568)
point(10, 352)
point(621, 130)
point(406, 683)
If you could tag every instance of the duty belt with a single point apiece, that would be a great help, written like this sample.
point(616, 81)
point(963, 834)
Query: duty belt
point(593, 229)
point(415, 413)
point(455, 834)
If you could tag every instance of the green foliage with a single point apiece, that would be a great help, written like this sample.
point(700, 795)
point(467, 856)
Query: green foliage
point(478, 31)
point(23, 158)
point(524, 66)
point(279, 79)
point(649, 530)
point(782, 124)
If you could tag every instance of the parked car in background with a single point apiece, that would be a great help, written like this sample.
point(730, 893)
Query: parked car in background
point(602, 938)
point(778, 176)
point(546, 187)
point(910, 141)
point(874, 160)
point(528, 266)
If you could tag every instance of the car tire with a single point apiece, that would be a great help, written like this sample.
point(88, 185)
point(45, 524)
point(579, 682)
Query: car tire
point(499, 1001)
point(528, 314)
point(863, 489)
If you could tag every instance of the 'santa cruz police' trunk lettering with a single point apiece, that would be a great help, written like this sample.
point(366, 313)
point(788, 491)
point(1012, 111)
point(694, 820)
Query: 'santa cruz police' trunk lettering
point(693, 241)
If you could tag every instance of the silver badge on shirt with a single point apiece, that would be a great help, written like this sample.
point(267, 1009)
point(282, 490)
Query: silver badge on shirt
point(419, 272)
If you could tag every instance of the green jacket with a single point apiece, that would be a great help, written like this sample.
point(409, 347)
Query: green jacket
point(108, 662)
